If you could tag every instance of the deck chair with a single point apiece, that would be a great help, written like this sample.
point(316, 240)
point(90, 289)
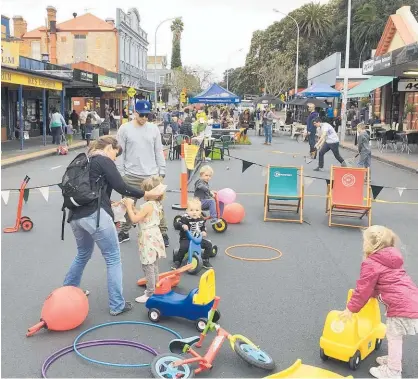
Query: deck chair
point(346, 197)
point(283, 192)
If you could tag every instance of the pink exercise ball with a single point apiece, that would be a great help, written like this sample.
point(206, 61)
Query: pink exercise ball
point(233, 213)
point(227, 195)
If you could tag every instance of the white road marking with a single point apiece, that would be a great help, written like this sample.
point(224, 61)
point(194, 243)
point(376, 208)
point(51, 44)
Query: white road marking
point(54, 168)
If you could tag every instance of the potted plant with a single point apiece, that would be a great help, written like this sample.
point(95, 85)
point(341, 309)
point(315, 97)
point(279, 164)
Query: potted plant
point(408, 110)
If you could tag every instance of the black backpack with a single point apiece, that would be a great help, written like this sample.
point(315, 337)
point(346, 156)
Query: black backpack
point(76, 188)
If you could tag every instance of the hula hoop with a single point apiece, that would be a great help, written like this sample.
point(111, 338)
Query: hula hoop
point(83, 345)
point(118, 323)
point(277, 251)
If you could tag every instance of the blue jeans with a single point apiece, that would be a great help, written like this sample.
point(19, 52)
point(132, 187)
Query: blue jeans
point(211, 205)
point(106, 238)
point(365, 160)
point(268, 132)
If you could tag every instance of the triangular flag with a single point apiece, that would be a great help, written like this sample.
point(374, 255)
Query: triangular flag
point(5, 196)
point(376, 190)
point(45, 192)
point(400, 190)
point(26, 195)
point(308, 181)
point(246, 164)
point(264, 172)
point(328, 182)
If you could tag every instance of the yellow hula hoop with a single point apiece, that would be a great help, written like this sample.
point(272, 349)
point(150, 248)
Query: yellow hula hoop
point(279, 253)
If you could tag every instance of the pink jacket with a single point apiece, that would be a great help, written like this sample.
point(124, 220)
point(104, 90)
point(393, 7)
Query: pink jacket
point(382, 275)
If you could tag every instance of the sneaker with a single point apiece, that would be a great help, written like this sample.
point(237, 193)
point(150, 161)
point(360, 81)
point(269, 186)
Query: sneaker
point(86, 292)
point(207, 264)
point(123, 237)
point(382, 360)
point(319, 169)
point(385, 372)
point(214, 221)
point(127, 308)
point(142, 299)
point(166, 240)
point(175, 265)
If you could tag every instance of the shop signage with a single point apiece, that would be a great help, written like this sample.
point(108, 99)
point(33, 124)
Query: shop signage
point(84, 76)
point(384, 61)
point(107, 81)
point(9, 54)
point(30, 80)
point(83, 92)
point(368, 66)
point(406, 85)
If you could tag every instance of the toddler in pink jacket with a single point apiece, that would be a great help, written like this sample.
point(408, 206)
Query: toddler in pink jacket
point(382, 275)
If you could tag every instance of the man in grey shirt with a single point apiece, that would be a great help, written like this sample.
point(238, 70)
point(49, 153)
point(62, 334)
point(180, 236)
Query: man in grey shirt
point(141, 158)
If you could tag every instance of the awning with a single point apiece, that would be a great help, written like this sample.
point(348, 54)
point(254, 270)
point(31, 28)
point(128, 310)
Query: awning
point(107, 89)
point(369, 85)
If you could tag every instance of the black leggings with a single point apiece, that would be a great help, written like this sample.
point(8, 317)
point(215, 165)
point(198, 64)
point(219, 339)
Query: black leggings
point(184, 248)
point(56, 135)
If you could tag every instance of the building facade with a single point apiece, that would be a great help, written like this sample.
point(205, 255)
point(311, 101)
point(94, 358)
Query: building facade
point(133, 47)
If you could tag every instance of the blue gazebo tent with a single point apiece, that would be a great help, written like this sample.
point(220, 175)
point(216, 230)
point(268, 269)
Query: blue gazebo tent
point(319, 90)
point(215, 94)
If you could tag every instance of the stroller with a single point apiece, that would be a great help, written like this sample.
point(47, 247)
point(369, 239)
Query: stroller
point(62, 149)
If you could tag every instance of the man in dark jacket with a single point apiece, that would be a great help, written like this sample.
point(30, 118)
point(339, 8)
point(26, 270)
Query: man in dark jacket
point(311, 129)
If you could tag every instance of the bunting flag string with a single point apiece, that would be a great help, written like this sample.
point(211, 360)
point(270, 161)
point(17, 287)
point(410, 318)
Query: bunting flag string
point(45, 192)
point(376, 190)
point(400, 190)
point(5, 196)
point(26, 194)
point(307, 181)
point(246, 164)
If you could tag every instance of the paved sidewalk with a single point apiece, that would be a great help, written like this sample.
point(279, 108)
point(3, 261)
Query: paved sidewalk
point(402, 160)
point(34, 149)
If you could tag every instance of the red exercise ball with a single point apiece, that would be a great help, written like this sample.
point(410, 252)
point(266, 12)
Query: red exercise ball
point(233, 213)
point(64, 309)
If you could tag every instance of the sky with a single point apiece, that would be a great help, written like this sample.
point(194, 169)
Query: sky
point(214, 30)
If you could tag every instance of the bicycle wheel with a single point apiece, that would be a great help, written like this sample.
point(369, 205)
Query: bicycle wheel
point(161, 367)
point(253, 355)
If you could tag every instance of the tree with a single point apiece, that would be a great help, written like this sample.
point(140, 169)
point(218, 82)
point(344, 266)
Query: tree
point(184, 78)
point(177, 28)
point(314, 20)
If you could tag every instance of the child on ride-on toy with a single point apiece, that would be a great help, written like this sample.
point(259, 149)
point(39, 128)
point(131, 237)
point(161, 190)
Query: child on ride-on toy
point(205, 195)
point(150, 240)
point(382, 275)
point(195, 223)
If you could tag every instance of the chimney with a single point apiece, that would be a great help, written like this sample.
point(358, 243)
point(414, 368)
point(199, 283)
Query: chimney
point(20, 26)
point(110, 21)
point(52, 26)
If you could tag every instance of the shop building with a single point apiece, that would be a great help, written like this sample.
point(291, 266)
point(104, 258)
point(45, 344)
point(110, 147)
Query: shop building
point(394, 69)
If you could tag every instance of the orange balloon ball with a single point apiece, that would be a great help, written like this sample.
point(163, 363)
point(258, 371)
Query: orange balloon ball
point(65, 308)
point(233, 213)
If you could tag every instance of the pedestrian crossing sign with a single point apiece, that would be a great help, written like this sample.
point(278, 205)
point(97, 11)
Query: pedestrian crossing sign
point(131, 92)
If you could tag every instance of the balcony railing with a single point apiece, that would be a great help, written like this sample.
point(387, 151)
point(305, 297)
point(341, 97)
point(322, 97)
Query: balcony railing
point(34, 65)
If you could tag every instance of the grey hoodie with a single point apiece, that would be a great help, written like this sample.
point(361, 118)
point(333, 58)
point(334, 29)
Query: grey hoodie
point(202, 190)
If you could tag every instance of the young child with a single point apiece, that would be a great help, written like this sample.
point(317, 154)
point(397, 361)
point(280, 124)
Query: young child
point(205, 195)
point(70, 132)
point(150, 240)
point(195, 223)
point(363, 143)
point(382, 275)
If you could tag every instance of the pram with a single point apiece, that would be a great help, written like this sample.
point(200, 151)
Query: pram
point(62, 149)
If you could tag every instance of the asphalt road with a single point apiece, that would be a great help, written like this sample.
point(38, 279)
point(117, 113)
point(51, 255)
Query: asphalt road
point(280, 305)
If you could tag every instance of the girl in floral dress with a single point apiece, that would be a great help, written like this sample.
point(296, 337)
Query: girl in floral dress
point(150, 240)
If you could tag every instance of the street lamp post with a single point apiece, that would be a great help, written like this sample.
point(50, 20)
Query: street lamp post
point(297, 50)
point(227, 69)
point(347, 65)
point(155, 57)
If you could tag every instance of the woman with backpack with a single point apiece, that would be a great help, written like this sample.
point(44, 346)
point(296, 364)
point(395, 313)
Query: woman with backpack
point(89, 227)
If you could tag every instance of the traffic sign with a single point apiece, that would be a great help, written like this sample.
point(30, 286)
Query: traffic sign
point(183, 97)
point(131, 92)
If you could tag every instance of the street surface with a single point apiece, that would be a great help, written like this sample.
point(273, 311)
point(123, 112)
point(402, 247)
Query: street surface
point(280, 305)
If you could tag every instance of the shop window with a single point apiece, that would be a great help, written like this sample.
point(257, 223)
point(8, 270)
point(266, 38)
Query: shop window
point(36, 50)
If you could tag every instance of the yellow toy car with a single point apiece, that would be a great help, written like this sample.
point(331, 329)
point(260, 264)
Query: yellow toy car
point(299, 370)
point(354, 340)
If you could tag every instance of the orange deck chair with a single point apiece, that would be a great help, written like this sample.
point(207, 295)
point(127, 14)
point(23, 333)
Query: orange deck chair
point(346, 197)
point(283, 192)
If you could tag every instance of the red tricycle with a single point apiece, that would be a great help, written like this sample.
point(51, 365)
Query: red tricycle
point(172, 365)
point(220, 227)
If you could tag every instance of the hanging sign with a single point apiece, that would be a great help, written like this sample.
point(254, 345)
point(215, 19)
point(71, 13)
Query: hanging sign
point(190, 153)
point(406, 85)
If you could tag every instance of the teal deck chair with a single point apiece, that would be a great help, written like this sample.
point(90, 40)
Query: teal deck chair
point(284, 192)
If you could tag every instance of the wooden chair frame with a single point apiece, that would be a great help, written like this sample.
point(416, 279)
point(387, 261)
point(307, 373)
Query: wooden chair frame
point(272, 205)
point(349, 210)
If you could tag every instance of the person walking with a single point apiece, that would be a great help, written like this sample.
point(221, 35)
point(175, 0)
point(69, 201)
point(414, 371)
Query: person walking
point(142, 157)
point(328, 141)
point(74, 118)
point(56, 125)
point(83, 219)
point(311, 129)
point(268, 120)
point(83, 118)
